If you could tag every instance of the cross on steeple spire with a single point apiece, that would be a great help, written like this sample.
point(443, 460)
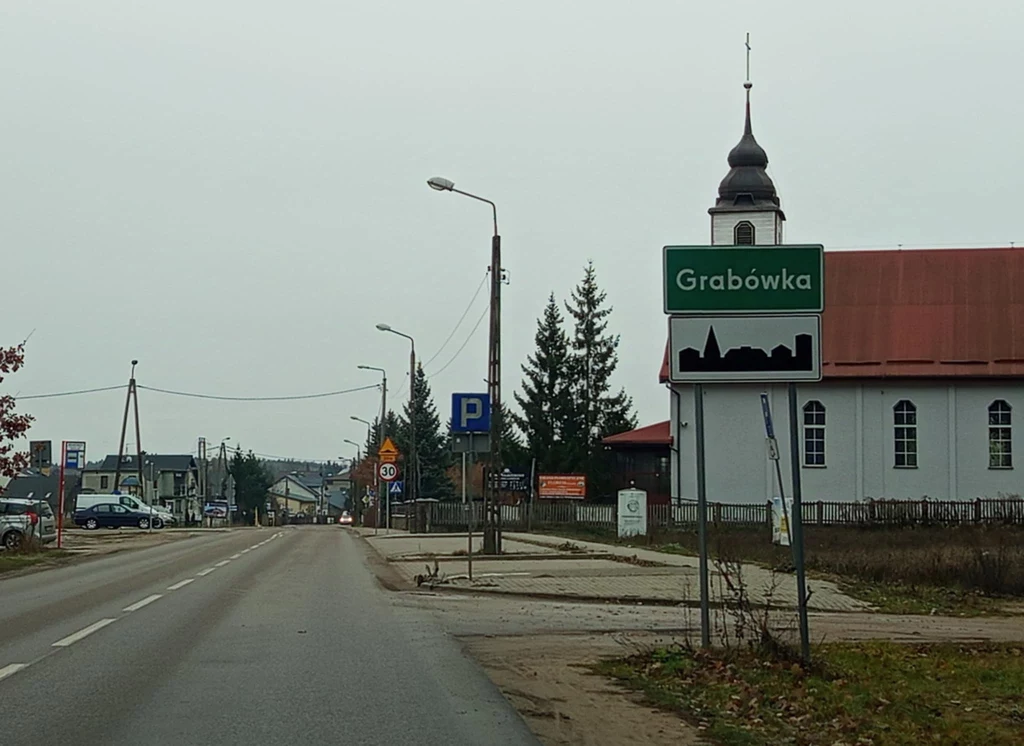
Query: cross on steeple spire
point(748, 84)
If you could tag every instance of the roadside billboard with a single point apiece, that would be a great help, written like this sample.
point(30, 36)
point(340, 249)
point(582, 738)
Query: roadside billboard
point(562, 486)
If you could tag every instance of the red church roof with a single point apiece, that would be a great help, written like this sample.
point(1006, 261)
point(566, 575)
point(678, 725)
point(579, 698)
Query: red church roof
point(651, 435)
point(927, 313)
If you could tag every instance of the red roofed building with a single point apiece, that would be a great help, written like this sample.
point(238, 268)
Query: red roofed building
point(923, 372)
point(643, 459)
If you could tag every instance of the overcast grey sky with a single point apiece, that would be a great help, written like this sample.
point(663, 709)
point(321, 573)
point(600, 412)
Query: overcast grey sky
point(234, 192)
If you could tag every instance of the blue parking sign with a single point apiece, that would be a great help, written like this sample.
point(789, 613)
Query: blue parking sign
point(471, 413)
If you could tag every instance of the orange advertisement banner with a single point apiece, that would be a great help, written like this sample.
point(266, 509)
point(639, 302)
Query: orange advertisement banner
point(564, 486)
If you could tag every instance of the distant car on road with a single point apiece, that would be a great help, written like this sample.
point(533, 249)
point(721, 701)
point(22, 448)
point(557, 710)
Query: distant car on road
point(109, 515)
point(21, 519)
point(345, 519)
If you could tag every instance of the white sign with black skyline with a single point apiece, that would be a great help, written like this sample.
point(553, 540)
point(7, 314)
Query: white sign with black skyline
point(709, 349)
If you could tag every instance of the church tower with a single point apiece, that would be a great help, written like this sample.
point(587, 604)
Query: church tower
point(747, 210)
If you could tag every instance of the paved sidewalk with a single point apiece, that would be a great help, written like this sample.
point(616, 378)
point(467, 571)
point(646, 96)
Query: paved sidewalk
point(540, 565)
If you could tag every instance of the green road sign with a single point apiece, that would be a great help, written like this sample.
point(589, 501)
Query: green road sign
point(744, 279)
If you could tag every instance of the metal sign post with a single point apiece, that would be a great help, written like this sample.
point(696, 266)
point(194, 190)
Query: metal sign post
point(469, 521)
point(702, 518)
point(60, 497)
point(797, 527)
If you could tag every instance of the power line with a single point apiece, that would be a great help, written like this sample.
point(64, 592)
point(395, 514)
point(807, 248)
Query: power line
point(459, 351)
point(261, 398)
point(72, 393)
point(296, 397)
point(236, 449)
point(459, 322)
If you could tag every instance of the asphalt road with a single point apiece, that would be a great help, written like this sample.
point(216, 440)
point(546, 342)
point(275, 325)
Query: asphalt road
point(275, 636)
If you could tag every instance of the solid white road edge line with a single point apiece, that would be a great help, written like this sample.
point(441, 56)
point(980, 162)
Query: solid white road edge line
point(206, 572)
point(182, 584)
point(144, 602)
point(72, 639)
point(11, 669)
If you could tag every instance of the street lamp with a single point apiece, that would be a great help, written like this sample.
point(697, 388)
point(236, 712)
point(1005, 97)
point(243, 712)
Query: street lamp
point(359, 449)
point(412, 489)
point(369, 428)
point(381, 434)
point(383, 396)
point(492, 511)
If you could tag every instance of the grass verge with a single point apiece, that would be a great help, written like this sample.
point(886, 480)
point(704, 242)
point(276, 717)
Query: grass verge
point(952, 571)
point(14, 561)
point(855, 694)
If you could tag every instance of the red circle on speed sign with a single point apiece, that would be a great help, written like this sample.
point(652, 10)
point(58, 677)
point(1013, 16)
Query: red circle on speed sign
point(388, 472)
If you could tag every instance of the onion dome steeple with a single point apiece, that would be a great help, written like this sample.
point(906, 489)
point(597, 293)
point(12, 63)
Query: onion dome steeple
point(747, 184)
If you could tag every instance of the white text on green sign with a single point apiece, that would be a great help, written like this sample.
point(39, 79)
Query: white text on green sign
point(743, 279)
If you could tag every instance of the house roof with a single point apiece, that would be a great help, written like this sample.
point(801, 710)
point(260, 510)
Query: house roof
point(652, 435)
point(926, 313)
point(337, 498)
point(161, 462)
point(296, 490)
point(36, 484)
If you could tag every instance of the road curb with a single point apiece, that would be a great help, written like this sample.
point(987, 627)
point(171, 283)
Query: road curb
point(621, 600)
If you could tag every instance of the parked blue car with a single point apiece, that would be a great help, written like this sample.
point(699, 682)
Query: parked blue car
point(110, 515)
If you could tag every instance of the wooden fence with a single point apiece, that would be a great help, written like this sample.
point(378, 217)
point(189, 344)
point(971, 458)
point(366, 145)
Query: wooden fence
point(452, 516)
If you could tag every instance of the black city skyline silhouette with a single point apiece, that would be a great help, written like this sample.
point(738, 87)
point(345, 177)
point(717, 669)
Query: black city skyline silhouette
point(747, 358)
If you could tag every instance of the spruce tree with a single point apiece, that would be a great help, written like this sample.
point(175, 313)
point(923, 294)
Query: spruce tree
point(545, 403)
point(513, 452)
point(391, 427)
point(433, 451)
point(596, 412)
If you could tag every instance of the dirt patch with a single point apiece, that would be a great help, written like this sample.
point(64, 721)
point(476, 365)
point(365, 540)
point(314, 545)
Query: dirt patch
point(548, 680)
point(388, 577)
point(95, 543)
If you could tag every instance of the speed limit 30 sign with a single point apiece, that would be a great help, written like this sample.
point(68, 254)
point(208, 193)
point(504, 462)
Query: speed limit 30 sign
point(388, 472)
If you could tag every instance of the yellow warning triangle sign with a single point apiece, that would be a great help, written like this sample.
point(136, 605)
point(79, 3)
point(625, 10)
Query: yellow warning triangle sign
point(388, 450)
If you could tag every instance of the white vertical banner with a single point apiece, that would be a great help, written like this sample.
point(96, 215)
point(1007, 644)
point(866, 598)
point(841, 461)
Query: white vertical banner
point(781, 521)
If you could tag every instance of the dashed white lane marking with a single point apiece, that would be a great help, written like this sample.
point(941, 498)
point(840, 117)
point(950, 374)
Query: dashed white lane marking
point(82, 633)
point(221, 563)
point(236, 556)
point(206, 572)
point(182, 584)
point(255, 546)
point(11, 669)
point(144, 602)
point(246, 551)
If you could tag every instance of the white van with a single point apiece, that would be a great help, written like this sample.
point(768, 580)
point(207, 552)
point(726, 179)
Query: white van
point(161, 516)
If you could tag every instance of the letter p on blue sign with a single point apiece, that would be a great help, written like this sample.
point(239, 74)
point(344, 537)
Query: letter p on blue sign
point(471, 413)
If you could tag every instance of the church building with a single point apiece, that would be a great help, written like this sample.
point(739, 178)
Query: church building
point(923, 372)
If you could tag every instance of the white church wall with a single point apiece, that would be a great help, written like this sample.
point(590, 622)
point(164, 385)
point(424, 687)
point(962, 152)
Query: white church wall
point(952, 441)
point(973, 476)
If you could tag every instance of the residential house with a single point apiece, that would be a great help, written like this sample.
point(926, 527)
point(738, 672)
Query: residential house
point(170, 480)
point(297, 494)
point(339, 493)
point(32, 483)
